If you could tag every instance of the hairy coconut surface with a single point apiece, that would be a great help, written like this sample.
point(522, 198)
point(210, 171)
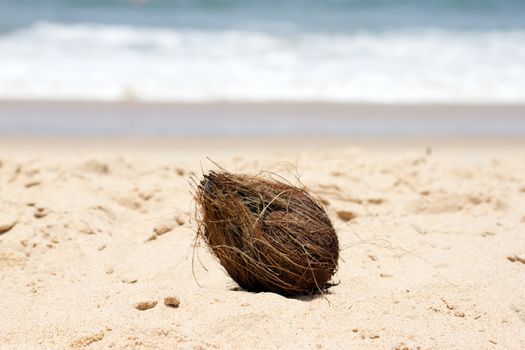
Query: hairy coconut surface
point(268, 235)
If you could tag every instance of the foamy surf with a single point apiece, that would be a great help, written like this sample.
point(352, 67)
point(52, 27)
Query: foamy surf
point(52, 61)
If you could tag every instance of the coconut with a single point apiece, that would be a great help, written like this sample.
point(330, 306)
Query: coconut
point(268, 235)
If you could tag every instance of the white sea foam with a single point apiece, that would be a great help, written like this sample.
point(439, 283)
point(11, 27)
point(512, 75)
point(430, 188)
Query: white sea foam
point(106, 62)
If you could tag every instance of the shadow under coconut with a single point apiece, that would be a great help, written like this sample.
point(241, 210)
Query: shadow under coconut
point(304, 297)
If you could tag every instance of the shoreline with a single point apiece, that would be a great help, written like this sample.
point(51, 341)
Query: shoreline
point(39, 118)
point(300, 142)
point(291, 104)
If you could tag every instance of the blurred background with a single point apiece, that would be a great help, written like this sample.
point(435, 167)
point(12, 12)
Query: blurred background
point(250, 67)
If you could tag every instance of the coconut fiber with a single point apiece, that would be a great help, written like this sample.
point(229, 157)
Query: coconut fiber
point(268, 235)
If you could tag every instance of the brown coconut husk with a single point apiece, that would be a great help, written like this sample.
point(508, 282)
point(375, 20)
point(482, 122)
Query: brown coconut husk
point(268, 235)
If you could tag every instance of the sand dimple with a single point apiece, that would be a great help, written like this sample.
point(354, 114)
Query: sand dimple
point(41, 212)
point(164, 226)
point(95, 166)
point(516, 258)
point(129, 280)
point(8, 260)
point(8, 217)
point(87, 340)
point(450, 203)
point(7, 223)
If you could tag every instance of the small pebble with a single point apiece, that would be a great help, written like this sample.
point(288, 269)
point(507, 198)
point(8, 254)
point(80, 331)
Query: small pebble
point(145, 305)
point(172, 301)
point(346, 215)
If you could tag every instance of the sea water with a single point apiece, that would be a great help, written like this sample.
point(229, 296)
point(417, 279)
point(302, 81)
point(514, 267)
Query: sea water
point(351, 51)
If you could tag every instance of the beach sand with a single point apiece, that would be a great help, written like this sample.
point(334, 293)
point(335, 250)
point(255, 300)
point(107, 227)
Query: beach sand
point(432, 246)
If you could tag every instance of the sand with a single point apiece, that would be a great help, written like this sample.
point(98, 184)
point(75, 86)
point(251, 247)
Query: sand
point(95, 239)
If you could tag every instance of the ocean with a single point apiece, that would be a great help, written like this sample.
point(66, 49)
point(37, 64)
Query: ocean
point(345, 51)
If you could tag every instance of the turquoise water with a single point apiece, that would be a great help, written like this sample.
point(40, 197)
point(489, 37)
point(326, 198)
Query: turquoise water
point(313, 15)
